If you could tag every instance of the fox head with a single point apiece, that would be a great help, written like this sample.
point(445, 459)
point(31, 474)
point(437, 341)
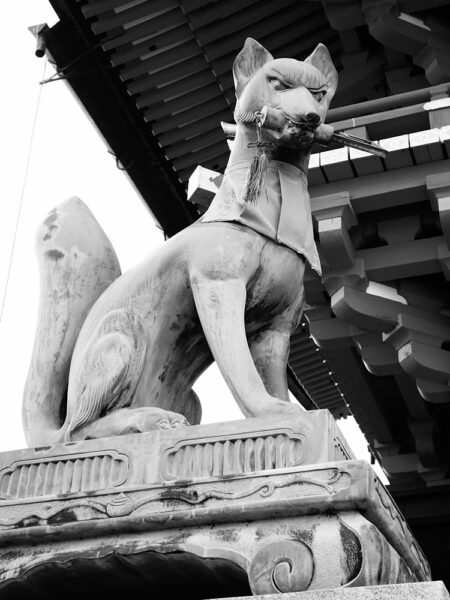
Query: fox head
point(301, 90)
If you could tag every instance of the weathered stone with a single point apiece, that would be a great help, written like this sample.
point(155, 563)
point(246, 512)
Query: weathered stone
point(229, 288)
point(278, 504)
point(430, 590)
point(278, 500)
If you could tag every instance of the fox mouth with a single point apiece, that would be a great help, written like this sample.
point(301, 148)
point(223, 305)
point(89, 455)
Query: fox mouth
point(300, 133)
point(301, 126)
point(292, 132)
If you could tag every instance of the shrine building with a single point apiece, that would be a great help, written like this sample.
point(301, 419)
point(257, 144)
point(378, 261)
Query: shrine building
point(374, 342)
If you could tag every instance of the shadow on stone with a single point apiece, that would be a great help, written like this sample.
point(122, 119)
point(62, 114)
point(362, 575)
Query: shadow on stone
point(145, 575)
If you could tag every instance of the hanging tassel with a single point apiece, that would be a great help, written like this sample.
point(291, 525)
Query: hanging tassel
point(256, 177)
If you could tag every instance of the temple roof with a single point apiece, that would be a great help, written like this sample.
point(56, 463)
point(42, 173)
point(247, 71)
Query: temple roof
point(166, 66)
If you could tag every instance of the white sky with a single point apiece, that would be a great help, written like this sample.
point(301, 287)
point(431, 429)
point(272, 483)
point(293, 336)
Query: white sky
point(68, 158)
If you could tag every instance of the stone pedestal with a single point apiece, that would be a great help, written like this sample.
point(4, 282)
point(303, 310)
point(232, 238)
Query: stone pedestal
point(432, 590)
point(276, 500)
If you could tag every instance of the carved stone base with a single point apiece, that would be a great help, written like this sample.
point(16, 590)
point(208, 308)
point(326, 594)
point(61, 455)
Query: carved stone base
point(275, 499)
point(432, 590)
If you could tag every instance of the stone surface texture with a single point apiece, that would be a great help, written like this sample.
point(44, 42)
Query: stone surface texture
point(228, 288)
point(431, 590)
point(282, 500)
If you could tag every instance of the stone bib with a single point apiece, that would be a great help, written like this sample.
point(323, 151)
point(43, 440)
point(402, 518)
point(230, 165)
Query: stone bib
point(283, 213)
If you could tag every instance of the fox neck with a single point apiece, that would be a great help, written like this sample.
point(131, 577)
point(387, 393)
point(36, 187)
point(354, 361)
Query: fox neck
point(246, 134)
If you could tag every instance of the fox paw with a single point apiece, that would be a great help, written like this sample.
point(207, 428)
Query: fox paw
point(130, 420)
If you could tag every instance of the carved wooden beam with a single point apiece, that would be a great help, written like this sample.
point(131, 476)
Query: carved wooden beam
point(421, 296)
point(410, 35)
point(399, 155)
point(393, 26)
point(398, 466)
point(444, 260)
point(434, 59)
point(335, 164)
point(416, 334)
point(422, 426)
point(418, 408)
point(396, 261)
point(334, 216)
point(381, 359)
point(418, 343)
point(426, 145)
point(332, 333)
point(424, 432)
point(354, 276)
point(438, 187)
point(385, 190)
point(364, 310)
point(376, 310)
point(378, 357)
point(437, 393)
point(361, 74)
point(439, 107)
point(361, 396)
point(365, 163)
point(203, 186)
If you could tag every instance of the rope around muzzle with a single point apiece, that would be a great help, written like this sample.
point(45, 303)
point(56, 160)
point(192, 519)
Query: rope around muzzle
point(257, 172)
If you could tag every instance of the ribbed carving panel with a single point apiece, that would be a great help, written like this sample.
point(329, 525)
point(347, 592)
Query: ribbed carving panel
point(63, 475)
point(340, 452)
point(224, 457)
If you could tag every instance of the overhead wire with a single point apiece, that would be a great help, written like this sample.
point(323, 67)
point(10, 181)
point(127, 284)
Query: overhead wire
point(22, 195)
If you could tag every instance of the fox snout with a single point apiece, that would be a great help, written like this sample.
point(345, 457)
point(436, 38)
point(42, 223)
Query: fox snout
point(311, 118)
point(299, 107)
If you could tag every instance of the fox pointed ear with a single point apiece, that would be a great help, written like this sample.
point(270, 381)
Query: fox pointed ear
point(249, 60)
point(321, 59)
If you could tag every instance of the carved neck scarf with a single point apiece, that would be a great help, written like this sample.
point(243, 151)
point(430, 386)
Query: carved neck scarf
point(281, 211)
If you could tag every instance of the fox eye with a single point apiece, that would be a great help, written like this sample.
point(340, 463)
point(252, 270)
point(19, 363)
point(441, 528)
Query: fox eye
point(318, 95)
point(277, 84)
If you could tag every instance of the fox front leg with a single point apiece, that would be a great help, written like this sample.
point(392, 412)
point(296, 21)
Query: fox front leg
point(225, 259)
point(270, 350)
point(220, 306)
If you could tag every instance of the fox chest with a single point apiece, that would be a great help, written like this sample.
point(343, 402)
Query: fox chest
point(276, 287)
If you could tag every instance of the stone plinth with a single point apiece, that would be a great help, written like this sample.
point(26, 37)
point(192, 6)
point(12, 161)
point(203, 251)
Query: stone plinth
point(277, 499)
point(431, 590)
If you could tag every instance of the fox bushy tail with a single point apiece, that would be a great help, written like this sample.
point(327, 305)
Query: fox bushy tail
point(77, 263)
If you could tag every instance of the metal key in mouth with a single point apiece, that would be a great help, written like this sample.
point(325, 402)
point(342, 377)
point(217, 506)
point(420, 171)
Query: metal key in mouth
point(359, 143)
point(323, 134)
point(275, 120)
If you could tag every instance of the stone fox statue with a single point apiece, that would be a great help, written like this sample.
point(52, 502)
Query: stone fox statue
point(116, 353)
